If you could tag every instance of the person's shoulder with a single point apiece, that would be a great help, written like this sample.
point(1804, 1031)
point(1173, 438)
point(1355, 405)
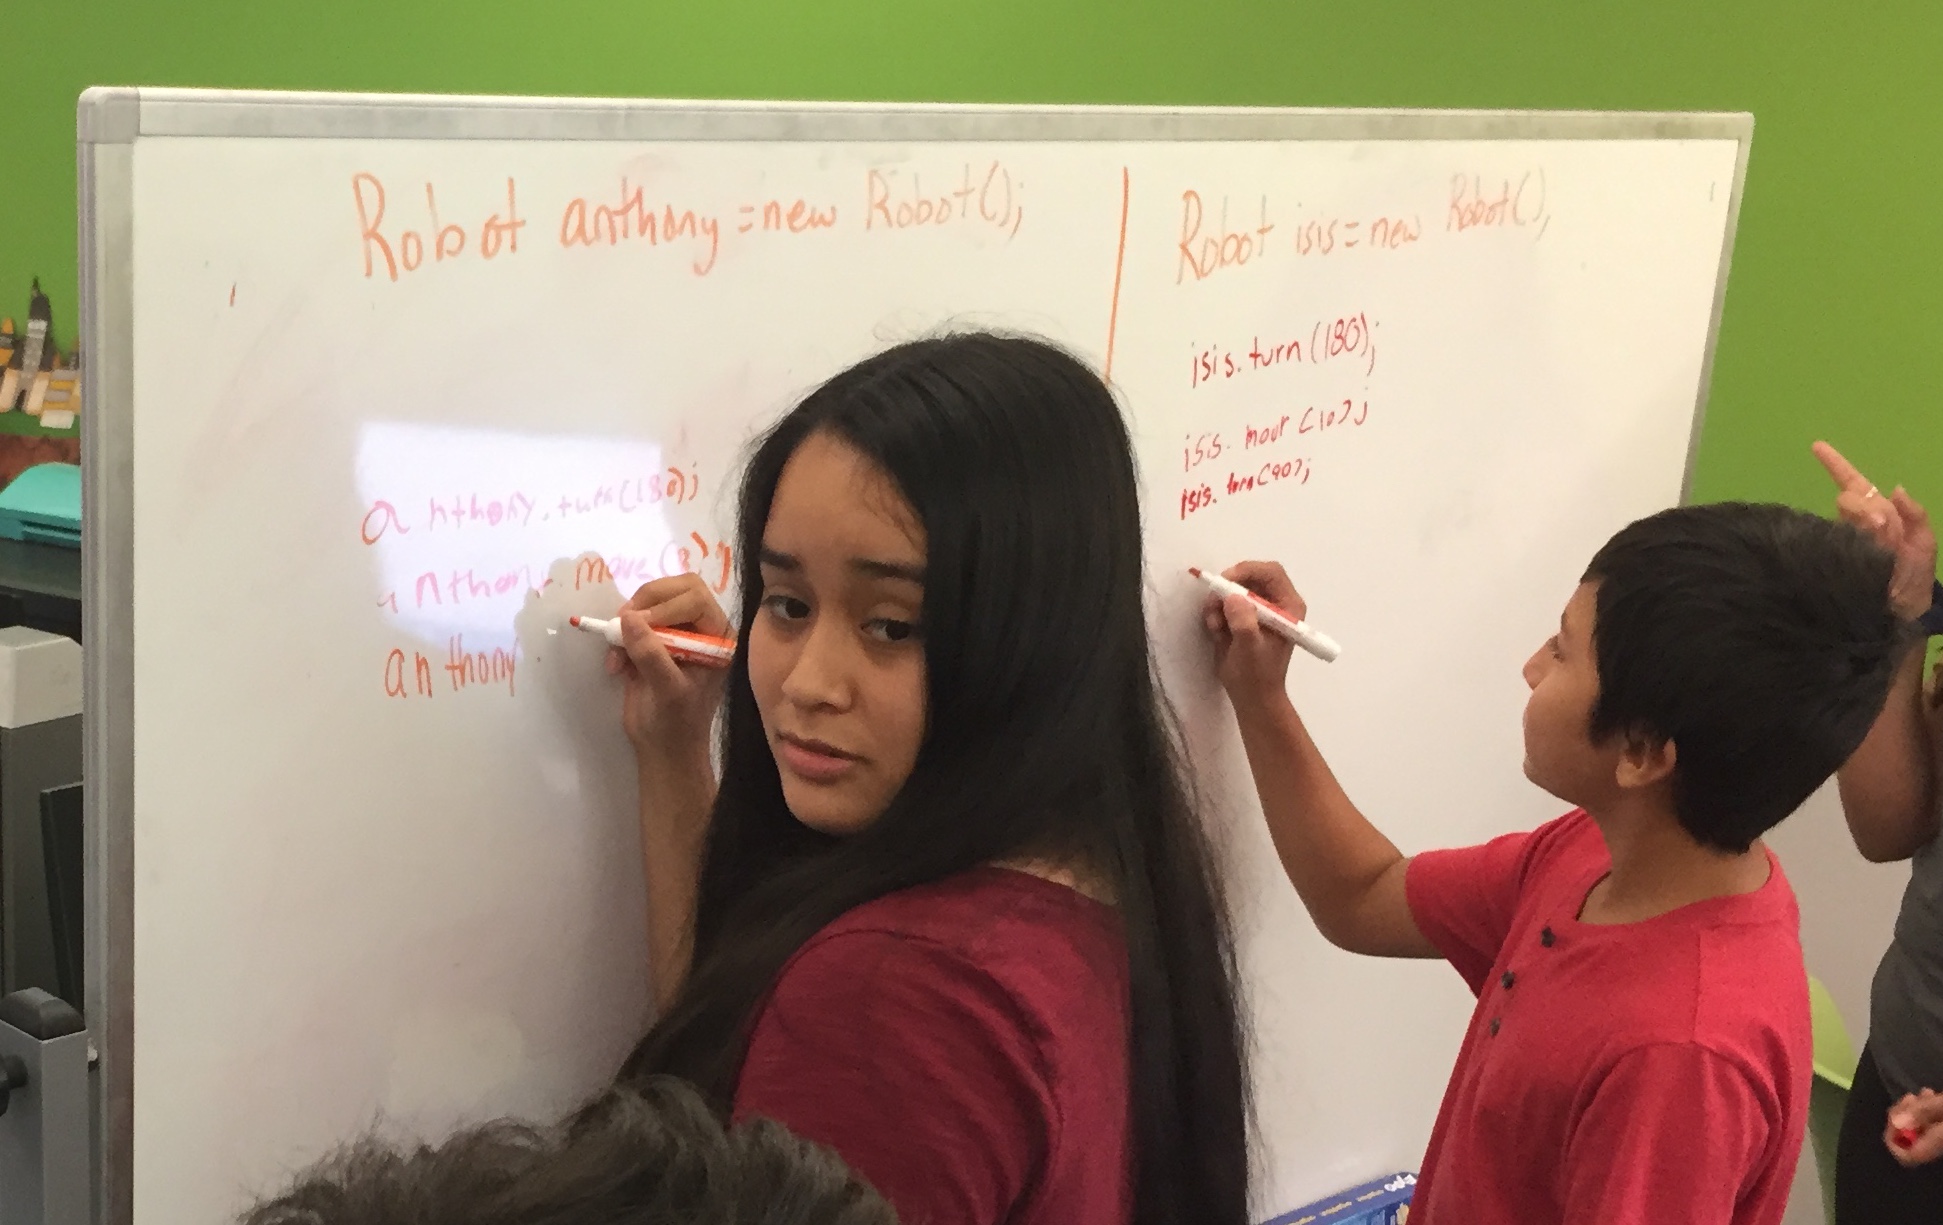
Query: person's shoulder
point(1753, 978)
point(1025, 934)
point(976, 910)
point(1567, 844)
point(1727, 976)
point(1570, 841)
point(1558, 855)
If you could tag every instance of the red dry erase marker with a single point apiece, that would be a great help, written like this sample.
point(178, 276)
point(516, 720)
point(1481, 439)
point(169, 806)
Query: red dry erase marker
point(688, 648)
point(1301, 633)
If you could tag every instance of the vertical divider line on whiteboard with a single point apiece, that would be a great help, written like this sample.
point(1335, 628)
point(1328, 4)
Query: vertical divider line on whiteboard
point(1119, 267)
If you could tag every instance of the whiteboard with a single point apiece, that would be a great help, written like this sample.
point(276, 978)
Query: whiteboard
point(374, 374)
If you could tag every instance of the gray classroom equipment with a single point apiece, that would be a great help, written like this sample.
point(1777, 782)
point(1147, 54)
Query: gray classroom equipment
point(46, 1101)
point(46, 1141)
point(40, 748)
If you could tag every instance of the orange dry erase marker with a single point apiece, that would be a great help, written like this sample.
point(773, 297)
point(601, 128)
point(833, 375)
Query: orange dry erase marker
point(688, 648)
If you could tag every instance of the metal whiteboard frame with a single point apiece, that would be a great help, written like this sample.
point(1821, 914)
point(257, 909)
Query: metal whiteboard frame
point(111, 120)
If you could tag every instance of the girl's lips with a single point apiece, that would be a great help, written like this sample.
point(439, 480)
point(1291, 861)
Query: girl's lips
point(813, 760)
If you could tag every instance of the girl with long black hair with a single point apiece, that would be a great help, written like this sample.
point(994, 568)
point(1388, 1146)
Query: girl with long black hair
point(949, 909)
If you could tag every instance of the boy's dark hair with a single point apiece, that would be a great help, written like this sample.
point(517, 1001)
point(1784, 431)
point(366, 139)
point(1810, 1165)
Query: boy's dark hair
point(652, 1154)
point(1759, 639)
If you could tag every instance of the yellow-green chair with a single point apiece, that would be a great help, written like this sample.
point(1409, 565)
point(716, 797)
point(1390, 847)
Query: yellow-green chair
point(1828, 1097)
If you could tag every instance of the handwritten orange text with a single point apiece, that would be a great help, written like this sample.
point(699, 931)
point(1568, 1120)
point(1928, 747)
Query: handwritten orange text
point(991, 198)
point(1475, 206)
point(799, 218)
point(1329, 235)
point(518, 508)
point(714, 560)
point(467, 669)
point(448, 240)
point(1201, 256)
point(695, 554)
point(464, 586)
point(633, 219)
point(397, 671)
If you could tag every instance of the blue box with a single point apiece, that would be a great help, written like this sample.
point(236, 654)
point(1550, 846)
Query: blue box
point(1386, 1201)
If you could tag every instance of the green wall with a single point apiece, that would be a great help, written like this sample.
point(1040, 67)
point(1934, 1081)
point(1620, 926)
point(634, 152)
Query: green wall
point(1834, 321)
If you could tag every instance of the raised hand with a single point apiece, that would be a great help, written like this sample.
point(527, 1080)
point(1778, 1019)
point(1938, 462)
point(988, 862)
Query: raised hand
point(1897, 522)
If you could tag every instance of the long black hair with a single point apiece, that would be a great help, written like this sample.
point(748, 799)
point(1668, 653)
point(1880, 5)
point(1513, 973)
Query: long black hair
point(1047, 736)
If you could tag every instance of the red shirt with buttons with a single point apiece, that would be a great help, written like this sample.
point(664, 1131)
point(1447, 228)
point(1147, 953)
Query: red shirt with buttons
point(1631, 1074)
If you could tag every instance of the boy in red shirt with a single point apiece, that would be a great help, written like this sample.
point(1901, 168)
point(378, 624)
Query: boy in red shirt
point(1640, 1053)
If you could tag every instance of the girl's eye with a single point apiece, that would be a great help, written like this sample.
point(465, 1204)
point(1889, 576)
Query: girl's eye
point(785, 607)
point(885, 629)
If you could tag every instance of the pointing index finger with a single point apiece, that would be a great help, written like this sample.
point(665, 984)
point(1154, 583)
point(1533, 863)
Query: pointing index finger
point(1844, 473)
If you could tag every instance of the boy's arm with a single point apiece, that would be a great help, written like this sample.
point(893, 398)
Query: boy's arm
point(1674, 1132)
point(1348, 874)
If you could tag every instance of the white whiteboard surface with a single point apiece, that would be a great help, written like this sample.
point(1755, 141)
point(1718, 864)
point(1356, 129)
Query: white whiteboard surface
point(365, 844)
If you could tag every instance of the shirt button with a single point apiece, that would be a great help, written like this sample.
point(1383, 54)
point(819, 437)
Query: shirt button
point(1494, 1027)
point(1508, 981)
point(1546, 937)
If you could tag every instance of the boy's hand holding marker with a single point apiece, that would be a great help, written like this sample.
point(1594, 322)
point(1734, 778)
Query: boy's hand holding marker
point(1257, 618)
point(1275, 620)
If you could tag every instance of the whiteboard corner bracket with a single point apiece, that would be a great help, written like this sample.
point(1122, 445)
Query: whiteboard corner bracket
point(108, 115)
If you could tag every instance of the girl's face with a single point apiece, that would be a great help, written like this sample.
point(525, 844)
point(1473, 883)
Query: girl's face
point(836, 654)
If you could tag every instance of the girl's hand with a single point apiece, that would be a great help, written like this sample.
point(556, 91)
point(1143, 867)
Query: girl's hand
point(1897, 522)
point(1918, 1119)
point(670, 707)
